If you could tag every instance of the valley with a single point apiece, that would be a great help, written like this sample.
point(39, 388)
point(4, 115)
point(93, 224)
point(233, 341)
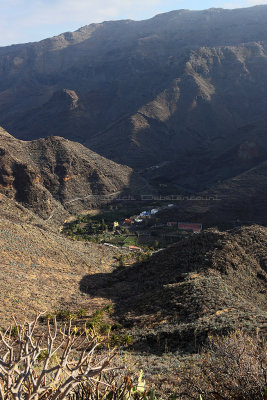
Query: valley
point(133, 190)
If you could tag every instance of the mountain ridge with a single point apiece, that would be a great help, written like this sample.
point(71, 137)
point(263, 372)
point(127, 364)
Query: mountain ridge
point(141, 88)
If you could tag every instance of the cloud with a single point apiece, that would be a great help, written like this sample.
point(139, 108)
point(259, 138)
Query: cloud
point(255, 2)
point(43, 12)
point(19, 18)
point(29, 20)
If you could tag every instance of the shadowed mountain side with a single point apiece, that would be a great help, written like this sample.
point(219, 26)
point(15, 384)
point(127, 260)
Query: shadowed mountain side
point(205, 284)
point(142, 93)
point(201, 168)
point(54, 176)
point(240, 200)
point(197, 113)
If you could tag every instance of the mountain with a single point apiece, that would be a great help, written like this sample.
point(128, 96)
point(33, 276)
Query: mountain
point(200, 170)
point(182, 85)
point(235, 201)
point(54, 176)
point(43, 182)
point(206, 284)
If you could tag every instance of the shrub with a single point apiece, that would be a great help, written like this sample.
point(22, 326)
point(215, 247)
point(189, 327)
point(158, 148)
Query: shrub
point(115, 386)
point(230, 368)
point(65, 315)
point(122, 260)
point(51, 365)
point(81, 313)
point(62, 363)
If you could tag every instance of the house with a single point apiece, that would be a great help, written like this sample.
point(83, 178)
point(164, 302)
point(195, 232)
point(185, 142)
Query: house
point(173, 223)
point(135, 248)
point(188, 226)
point(154, 211)
point(145, 214)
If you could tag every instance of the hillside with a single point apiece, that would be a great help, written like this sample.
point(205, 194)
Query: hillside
point(54, 176)
point(208, 283)
point(245, 149)
point(235, 201)
point(193, 81)
point(172, 105)
point(40, 269)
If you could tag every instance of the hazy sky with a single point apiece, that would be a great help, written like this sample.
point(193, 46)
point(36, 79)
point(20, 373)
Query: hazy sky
point(31, 20)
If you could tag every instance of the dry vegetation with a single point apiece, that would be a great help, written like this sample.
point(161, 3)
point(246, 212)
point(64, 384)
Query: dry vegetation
point(212, 283)
point(41, 270)
point(232, 367)
point(78, 363)
point(49, 366)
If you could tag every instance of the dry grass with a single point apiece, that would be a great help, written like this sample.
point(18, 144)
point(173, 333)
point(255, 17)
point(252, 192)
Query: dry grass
point(41, 270)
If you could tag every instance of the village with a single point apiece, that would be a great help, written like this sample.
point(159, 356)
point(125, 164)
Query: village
point(129, 229)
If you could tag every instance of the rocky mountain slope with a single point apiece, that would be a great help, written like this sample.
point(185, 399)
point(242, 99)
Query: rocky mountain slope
point(42, 182)
point(235, 201)
point(54, 176)
point(199, 170)
point(208, 283)
point(143, 93)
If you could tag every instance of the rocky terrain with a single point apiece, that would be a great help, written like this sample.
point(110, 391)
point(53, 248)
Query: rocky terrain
point(40, 269)
point(54, 176)
point(246, 149)
point(206, 284)
point(235, 201)
point(183, 89)
point(42, 183)
point(175, 105)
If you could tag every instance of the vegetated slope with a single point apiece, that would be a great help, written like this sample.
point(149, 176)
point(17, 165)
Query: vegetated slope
point(52, 176)
point(40, 270)
point(208, 283)
point(143, 93)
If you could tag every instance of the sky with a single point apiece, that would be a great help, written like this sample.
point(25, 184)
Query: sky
point(24, 21)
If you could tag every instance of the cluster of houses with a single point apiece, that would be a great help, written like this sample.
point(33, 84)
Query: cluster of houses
point(185, 226)
point(140, 218)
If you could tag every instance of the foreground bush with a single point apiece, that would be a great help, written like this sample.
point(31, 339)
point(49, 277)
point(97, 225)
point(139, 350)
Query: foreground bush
point(64, 362)
point(36, 365)
point(77, 363)
point(114, 386)
point(230, 368)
